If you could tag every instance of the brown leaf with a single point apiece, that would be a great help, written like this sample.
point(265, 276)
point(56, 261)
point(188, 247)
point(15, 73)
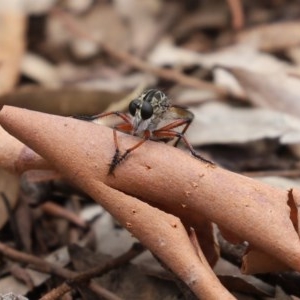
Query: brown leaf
point(259, 262)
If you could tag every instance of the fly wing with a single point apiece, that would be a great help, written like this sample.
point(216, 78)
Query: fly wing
point(176, 113)
point(179, 112)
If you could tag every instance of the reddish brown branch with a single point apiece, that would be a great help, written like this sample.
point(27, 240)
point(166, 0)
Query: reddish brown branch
point(162, 233)
point(170, 179)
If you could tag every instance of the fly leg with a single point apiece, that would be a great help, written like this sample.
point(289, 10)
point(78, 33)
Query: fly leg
point(124, 127)
point(175, 124)
point(94, 118)
point(118, 159)
point(163, 133)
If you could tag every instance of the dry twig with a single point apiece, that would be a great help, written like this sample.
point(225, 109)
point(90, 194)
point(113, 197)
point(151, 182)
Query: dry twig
point(84, 277)
point(58, 211)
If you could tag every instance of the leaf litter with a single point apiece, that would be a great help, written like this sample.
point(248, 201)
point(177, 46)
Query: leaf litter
point(237, 77)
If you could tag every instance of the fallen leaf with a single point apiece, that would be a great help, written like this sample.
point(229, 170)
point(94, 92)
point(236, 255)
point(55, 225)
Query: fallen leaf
point(217, 123)
point(255, 262)
point(237, 56)
point(264, 90)
point(232, 278)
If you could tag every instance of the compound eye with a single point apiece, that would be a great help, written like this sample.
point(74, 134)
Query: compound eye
point(133, 105)
point(146, 111)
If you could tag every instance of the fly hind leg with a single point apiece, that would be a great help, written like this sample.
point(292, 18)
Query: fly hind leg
point(162, 133)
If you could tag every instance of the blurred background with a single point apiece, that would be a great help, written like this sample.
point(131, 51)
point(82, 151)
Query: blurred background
point(234, 63)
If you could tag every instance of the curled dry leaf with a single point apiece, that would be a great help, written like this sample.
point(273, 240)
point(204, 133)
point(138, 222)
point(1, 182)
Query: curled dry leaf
point(254, 211)
point(12, 45)
point(255, 262)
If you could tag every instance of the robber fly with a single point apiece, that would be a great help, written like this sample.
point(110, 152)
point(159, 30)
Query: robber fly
point(152, 117)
